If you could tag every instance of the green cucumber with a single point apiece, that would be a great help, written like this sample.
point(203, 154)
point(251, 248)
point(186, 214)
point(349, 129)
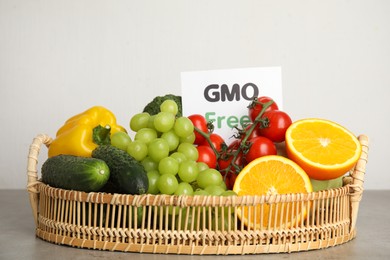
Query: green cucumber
point(127, 175)
point(75, 173)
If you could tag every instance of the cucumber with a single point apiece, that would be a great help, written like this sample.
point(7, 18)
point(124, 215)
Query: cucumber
point(126, 174)
point(75, 173)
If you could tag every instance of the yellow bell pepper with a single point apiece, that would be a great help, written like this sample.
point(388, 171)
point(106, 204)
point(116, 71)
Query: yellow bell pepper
point(82, 133)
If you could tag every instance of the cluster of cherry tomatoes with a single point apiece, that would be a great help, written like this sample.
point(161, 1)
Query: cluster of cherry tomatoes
point(268, 126)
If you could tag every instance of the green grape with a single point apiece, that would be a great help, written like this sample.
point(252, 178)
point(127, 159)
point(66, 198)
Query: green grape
point(180, 157)
point(172, 139)
point(214, 190)
point(149, 164)
point(229, 193)
point(191, 219)
point(139, 121)
point(186, 220)
point(169, 106)
point(188, 171)
point(173, 210)
point(168, 165)
point(188, 139)
point(151, 122)
point(158, 149)
point(146, 135)
point(138, 150)
point(153, 177)
point(164, 121)
point(223, 185)
point(202, 166)
point(167, 184)
point(120, 140)
point(209, 177)
point(201, 192)
point(188, 150)
point(221, 222)
point(183, 127)
point(184, 188)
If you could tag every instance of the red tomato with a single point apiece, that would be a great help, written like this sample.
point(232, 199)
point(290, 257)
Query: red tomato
point(229, 170)
point(260, 146)
point(255, 107)
point(234, 145)
point(207, 155)
point(224, 163)
point(279, 121)
point(254, 133)
point(199, 122)
point(230, 180)
point(216, 140)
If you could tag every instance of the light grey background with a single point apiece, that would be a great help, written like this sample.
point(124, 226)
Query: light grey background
point(58, 58)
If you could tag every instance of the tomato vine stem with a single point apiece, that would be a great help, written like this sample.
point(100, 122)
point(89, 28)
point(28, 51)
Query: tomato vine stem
point(243, 147)
point(207, 137)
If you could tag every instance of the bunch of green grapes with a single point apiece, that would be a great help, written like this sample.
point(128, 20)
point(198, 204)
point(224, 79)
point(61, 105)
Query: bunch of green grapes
point(163, 143)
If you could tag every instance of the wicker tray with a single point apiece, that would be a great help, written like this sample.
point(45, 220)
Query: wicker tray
point(193, 224)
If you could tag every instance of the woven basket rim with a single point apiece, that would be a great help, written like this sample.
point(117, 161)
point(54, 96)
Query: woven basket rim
point(283, 239)
point(191, 200)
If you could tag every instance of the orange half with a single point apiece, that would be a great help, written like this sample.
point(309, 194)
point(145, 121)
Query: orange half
point(324, 149)
point(272, 175)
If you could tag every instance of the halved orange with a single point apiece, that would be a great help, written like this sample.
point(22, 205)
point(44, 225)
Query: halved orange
point(324, 149)
point(272, 175)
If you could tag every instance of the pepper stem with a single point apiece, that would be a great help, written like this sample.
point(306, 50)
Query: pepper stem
point(101, 135)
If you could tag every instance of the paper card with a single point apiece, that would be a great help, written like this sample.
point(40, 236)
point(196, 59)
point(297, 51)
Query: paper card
point(222, 96)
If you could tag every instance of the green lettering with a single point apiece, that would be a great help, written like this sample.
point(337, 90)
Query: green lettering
point(227, 121)
point(245, 120)
point(210, 116)
point(220, 119)
point(232, 121)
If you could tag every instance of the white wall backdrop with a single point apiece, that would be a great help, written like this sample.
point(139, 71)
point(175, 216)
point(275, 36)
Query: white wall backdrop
point(58, 58)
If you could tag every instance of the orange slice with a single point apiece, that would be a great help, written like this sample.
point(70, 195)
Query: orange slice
point(324, 149)
point(272, 175)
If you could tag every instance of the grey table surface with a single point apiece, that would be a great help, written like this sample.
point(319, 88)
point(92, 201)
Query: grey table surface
point(18, 240)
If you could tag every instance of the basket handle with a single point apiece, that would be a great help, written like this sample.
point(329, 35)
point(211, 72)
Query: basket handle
point(32, 172)
point(358, 179)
